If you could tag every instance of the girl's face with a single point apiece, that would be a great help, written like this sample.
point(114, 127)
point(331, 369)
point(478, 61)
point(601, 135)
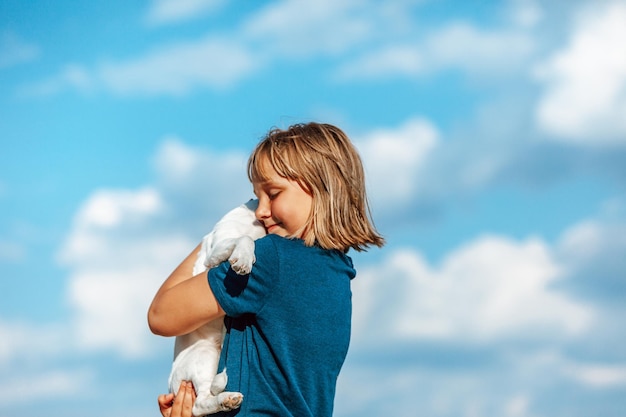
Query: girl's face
point(284, 206)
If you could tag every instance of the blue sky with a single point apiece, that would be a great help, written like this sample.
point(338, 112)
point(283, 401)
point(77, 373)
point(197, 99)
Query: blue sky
point(494, 139)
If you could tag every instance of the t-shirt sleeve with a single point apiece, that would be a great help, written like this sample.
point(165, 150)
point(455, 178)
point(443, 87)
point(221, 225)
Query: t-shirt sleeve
point(244, 294)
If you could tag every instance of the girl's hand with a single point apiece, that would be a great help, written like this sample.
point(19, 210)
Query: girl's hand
point(179, 406)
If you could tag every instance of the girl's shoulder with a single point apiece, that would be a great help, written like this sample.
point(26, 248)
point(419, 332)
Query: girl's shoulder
point(281, 244)
point(279, 241)
point(278, 245)
point(274, 248)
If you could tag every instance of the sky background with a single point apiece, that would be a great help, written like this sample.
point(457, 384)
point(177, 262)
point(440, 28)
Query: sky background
point(494, 140)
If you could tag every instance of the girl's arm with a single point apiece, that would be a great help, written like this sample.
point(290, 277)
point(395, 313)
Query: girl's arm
point(184, 302)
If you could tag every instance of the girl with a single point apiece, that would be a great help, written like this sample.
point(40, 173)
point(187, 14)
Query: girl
point(288, 321)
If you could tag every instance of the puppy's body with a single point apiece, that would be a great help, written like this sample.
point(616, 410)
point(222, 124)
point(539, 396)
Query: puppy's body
point(196, 354)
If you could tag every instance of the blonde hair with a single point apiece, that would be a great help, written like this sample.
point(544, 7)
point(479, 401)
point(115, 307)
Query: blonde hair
point(323, 161)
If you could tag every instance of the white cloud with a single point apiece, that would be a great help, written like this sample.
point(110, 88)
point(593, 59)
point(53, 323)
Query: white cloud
point(177, 69)
point(392, 158)
point(364, 391)
point(217, 61)
point(476, 51)
point(598, 375)
point(177, 163)
point(367, 389)
point(500, 304)
point(12, 251)
point(117, 259)
point(318, 28)
point(205, 183)
point(595, 375)
point(173, 11)
point(46, 385)
point(118, 256)
point(517, 406)
point(111, 304)
point(297, 28)
point(582, 241)
point(72, 76)
point(174, 69)
point(176, 160)
point(459, 46)
point(20, 338)
point(525, 13)
point(584, 101)
point(590, 240)
point(124, 243)
point(107, 208)
point(391, 61)
point(489, 289)
point(14, 50)
point(511, 383)
point(103, 212)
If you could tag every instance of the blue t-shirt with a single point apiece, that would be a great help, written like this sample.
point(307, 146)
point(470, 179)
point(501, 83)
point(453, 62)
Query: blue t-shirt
point(288, 327)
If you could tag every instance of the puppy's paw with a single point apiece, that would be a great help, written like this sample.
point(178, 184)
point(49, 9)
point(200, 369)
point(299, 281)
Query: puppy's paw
point(210, 404)
point(241, 266)
point(242, 258)
point(231, 401)
point(219, 253)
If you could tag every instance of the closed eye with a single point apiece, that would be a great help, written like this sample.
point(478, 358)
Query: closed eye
point(273, 195)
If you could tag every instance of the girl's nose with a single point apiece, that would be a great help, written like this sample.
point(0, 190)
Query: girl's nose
point(262, 211)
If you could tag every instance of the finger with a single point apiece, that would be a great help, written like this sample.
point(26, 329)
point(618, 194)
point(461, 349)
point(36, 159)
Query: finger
point(165, 404)
point(177, 406)
point(190, 397)
point(193, 393)
point(165, 400)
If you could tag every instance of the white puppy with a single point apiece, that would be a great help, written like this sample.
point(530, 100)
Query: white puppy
point(196, 355)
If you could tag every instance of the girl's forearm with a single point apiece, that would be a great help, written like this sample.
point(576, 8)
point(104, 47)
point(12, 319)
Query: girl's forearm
point(184, 302)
